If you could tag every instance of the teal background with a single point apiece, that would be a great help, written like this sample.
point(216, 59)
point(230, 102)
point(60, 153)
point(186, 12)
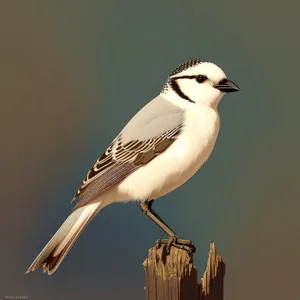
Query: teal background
point(73, 72)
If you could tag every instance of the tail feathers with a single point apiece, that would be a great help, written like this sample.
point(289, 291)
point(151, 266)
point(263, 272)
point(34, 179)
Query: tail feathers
point(61, 243)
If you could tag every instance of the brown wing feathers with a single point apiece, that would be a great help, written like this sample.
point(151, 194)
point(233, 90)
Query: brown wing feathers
point(119, 161)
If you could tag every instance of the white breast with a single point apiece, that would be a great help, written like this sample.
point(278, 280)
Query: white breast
point(179, 162)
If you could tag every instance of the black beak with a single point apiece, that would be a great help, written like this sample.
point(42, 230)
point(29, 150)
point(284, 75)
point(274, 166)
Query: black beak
point(227, 86)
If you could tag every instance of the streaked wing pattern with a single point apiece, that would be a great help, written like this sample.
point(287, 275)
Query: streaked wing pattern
point(119, 161)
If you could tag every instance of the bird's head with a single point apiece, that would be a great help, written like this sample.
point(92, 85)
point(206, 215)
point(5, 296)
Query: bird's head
point(197, 82)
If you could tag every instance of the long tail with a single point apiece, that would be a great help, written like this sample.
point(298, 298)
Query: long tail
point(60, 244)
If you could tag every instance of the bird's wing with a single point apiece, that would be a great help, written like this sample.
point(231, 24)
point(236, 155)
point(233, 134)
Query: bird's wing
point(150, 132)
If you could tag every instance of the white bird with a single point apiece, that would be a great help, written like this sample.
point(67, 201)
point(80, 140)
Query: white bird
point(158, 150)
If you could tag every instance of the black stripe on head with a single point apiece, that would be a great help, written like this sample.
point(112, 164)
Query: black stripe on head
point(176, 88)
point(186, 65)
point(185, 77)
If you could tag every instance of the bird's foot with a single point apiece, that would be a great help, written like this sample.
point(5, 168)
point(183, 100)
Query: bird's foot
point(175, 241)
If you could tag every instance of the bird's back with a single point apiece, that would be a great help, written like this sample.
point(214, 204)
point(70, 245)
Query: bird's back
point(158, 116)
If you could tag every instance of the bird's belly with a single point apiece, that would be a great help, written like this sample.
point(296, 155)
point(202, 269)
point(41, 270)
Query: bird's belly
point(176, 165)
point(183, 170)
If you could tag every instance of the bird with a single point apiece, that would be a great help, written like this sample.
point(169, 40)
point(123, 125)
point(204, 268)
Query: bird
point(159, 149)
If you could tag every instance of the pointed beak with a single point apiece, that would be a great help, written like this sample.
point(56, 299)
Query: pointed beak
point(227, 86)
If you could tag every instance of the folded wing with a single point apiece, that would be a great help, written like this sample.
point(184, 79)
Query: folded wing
point(150, 132)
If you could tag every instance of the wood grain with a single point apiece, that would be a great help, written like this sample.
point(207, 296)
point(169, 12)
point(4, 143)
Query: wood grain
point(174, 277)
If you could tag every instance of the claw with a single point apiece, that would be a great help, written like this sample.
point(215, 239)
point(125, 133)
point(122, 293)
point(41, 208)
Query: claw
point(176, 242)
point(158, 244)
point(171, 241)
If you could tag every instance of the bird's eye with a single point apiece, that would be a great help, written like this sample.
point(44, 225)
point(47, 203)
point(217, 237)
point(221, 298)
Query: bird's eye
point(201, 78)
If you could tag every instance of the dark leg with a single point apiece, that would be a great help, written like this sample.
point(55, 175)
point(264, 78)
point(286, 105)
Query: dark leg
point(173, 240)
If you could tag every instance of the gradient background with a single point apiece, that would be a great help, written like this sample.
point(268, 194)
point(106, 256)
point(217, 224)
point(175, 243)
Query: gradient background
point(73, 72)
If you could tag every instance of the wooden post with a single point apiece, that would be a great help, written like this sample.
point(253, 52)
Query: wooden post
point(174, 277)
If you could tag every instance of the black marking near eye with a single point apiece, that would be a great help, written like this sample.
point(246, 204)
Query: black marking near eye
point(186, 65)
point(203, 77)
point(185, 77)
point(176, 88)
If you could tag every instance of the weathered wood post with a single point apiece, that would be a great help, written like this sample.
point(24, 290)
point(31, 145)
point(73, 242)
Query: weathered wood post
point(174, 277)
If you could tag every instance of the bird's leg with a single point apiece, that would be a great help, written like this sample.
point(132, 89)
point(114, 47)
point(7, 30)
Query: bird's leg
point(173, 240)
